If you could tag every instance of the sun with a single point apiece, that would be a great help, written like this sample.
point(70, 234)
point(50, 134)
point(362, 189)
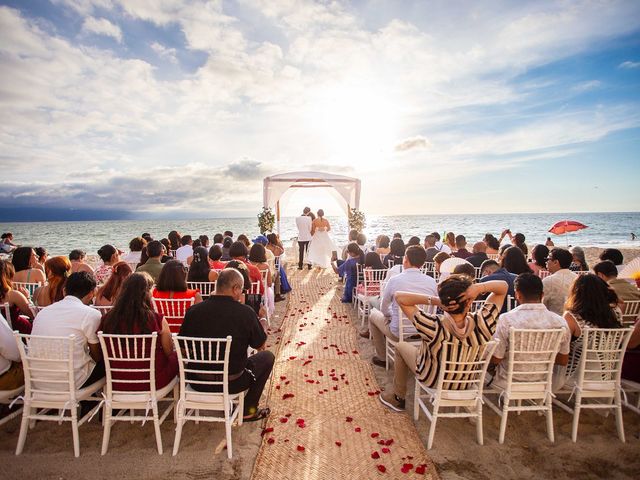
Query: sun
point(356, 122)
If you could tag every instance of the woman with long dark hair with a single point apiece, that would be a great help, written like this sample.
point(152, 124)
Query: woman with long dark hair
point(24, 261)
point(174, 238)
point(493, 244)
point(57, 269)
point(172, 283)
point(108, 293)
point(539, 256)
point(109, 256)
point(133, 314)
point(514, 261)
point(199, 269)
point(396, 253)
point(19, 311)
point(579, 262)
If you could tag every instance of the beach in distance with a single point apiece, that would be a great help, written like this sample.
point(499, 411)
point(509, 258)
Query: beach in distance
point(605, 229)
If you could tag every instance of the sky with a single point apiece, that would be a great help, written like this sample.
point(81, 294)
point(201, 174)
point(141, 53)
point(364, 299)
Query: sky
point(179, 108)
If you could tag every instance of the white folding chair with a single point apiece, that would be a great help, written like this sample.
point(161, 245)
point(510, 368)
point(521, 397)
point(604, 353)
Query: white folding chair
point(359, 281)
point(406, 333)
point(511, 302)
point(428, 268)
point(6, 311)
point(49, 381)
point(28, 286)
point(598, 375)
point(459, 386)
point(210, 355)
point(630, 312)
point(544, 273)
point(372, 280)
point(478, 271)
point(173, 310)
point(127, 356)
point(493, 256)
point(631, 388)
point(8, 397)
point(102, 309)
point(206, 289)
point(532, 354)
point(476, 305)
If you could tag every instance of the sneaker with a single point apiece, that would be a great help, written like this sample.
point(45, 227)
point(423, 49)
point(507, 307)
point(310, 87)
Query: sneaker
point(390, 400)
point(378, 362)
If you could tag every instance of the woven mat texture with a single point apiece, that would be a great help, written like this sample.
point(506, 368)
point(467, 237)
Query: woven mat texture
point(326, 420)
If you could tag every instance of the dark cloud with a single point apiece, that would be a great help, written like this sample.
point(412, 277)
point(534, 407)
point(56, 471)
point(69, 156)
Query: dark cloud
point(412, 143)
point(245, 170)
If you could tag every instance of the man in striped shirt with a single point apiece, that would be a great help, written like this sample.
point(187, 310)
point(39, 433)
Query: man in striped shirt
point(457, 324)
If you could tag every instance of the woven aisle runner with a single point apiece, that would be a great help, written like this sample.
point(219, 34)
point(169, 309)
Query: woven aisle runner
point(326, 420)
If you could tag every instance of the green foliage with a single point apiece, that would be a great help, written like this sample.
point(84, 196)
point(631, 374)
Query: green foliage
point(266, 220)
point(357, 220)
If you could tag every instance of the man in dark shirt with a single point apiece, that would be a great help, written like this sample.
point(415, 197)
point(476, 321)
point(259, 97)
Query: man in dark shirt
point(430, 247)
point(461, 245)
point(223, 314)
point(479, 254)
point(501, 274)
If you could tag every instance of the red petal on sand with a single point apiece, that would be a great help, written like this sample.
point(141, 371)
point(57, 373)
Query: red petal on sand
point(306, 362)
point(320, 373)
point(335, 388)
point(287, 395)
point(266, 430)
point(389, 442)
point(421, 469)
point(349, 419)
point(287, 415)
point(385, 450)
point(284, 420)
point(375, 434)
point(381, 442)
point(381, 468)
point(358, 429)
point(407, 467)
point(282, 377)
point(375, 455)
point(355, 352)
point(292, 357)
point(300, 448)
point(270, 440)
point(339, 444)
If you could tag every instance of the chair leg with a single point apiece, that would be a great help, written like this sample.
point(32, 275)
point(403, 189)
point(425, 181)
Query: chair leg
point(74, 429)
point(24, 428)
point(503, 422)
point(432, 427)
point(156, 426)
point(176, 440)
point(227, 427)
point(576, 418)
point(416, 401)
point(619, 422)
point(479, 433)
point(549, 415)
point(176, 398)
point(240, 408)
point(106, 432)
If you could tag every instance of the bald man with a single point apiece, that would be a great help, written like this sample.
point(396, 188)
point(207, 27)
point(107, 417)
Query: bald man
point(479, 254)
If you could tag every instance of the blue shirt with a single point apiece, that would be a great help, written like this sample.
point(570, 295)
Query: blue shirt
point(348, 270)
point(502, 274)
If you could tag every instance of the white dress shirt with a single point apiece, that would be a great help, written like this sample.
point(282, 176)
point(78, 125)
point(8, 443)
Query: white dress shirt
point(303, 222)
point(556, 289)
point(8, 347)
point(183, 253)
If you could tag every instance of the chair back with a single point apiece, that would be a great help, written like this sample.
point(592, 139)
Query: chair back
point(102, 309)
point(255, 288)
point(47, 362)
point(478, 273)
point(265, 278)
point(476, 305)
point(532, 354)
point(6, 312)
point(372, 279)
point(493, 256)
point(173, 310)
point(203, 362)
point(511, 302)
point(428, 268)
point(406, 328)
point(129, 362)
point(543, 273)
point(463, 368)
point(28, 286)
point(630, 312)
point(206, 289)
point(602, 352)
point(276, 265)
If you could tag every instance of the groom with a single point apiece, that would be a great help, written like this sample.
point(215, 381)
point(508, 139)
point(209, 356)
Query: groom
point(303, 222)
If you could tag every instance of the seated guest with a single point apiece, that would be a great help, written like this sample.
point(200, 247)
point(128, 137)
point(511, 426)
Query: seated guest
point(529, 314)
point(371, 262)
point(430, 247)
point(488, 267)
point(174, 238)
point(450, 241)
point(147, 237)
point(396, 253)
point(7, 245)
point(493, 244)
point(73, 316)
point(57, 269)
point(281, 282)
point(457, 324)
point(172, 283)
point(133, 314)
point(215, 255)
point(461, 248)
point(382, 245)
point(222, 314)
point(153, 265)
point(204, 241)
point(11, 372)
point(579, 262)
point(135, 246)
point(344, 256)
point(448, 265)
point(466, 269)
point(264, 241)
point(502, 274)
point(108, 293)
point(517, 240)
point(539, 255)
point(167, 249)
point(42, 256)
point(385, 320)
point(19, 311)
point(348, 270)
point(186, 249)
point(442, 247)
point(109, 256)
point(226, 245)
point(514, 261)
point(24, 261)
point(413, 241)
point(479, 254)
point(557, 285)
point(238, 251)
point(199, 269)
point(439, 259)
point(77, 257)
point(227, 234)
point(244, 239)
point(612, 254)
point(217, 239)
point(258, 258)
point(608, 272)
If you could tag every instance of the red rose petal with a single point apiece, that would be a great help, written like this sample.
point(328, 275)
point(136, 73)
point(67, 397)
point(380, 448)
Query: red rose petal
point(349, 419)
point(385, 450)
point(375, 455)
point(287, 415)
point(270, 440)
point(407, 467)
point(282, 377)
point(266, 430)
point(375, 434)
point(339, 444)
point(300, 448)
point(381, 468)
point(284, 420)
point(421, 469)
point(381, 442)
point(287, 395)
point(389, 442)
point(358, 429)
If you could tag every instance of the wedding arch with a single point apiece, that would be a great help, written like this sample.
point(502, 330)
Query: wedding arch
point(346, 189)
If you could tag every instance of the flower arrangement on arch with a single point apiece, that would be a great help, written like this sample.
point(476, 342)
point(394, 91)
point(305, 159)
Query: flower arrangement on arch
point(357, 220)
point(266, 220)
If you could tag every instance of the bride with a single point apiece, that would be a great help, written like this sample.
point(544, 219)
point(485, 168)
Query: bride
point(321, 246)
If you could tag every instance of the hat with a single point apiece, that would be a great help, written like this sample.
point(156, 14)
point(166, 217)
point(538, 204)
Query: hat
point(261, 239)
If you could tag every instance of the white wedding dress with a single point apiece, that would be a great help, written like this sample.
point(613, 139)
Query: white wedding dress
point(321, 249)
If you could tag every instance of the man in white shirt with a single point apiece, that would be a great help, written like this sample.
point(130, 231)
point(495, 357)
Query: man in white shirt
point(303, 222)
point(11, 373)
point(439, 245)
point(186, 250)
point(385, 321)
point(557, 285)
point(73, 316)
point(529, 314)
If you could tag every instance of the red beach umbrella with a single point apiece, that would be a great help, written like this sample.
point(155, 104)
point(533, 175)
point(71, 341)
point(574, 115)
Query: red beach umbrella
point(566, 226)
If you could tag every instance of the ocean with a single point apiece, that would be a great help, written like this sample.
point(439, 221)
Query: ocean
point(605, 229)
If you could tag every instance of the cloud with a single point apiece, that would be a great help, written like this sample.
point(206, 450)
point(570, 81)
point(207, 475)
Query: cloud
point(165, 52)
point(587, 86)
point(244, 170)
point(413, 143)
point(102, 26)
point(629, 64)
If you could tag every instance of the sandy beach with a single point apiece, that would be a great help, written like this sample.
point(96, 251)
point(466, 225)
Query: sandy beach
point(526, 453)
